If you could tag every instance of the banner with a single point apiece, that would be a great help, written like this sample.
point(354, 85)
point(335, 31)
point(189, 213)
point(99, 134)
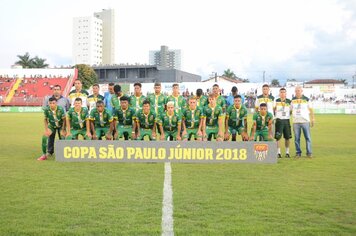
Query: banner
point(329, 111)
point(21, 109)
point(165, 151)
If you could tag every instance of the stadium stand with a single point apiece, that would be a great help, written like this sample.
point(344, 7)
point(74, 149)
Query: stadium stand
point(31, 89)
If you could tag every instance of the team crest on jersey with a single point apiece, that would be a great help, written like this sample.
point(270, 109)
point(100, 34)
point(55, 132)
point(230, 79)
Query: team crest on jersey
point(261, 151)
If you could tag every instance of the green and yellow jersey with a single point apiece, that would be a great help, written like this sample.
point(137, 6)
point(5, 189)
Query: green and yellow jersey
point(92, 99)
point(136, 102)
point(192, 117)
point(83, 94)
point(54, 117)
point(145, 121)
point(179, 103)
point(101, 119)
point(212, 115)
point(124, 117)
point(78, 119)
point(236, 116)
point(157, 102)
point(169, 123)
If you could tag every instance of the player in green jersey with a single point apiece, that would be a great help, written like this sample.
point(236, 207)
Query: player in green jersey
point(78, 121)
point(202, 100)
point(92, 99)
point(169, 123)
point(179, 101)
point(220, 100)
point(124, 119)
point(145, 121)
point(262, 124)
point(136, 100)
point(115, 98)
point(213, 120)
point(236, 120)
point(192, 121)
point(101, 122)
point(157, 99)
point(54, 121)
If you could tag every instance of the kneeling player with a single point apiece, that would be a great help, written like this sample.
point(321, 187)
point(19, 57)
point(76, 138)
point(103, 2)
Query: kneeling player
point(101, 122)
point(213, 120)
point(236, 120)
point(78, 121)
point(123, 119)
point(54, 121)
point(192, 121)
point(145, 122)
point(170, 123)
point(262, 124)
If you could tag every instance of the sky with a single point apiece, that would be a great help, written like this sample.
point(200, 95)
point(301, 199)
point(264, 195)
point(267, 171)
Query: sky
point(285, 39)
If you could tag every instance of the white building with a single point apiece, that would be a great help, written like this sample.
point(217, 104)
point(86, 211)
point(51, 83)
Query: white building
point(166, 58)
point(94, 39)
point(108, 19)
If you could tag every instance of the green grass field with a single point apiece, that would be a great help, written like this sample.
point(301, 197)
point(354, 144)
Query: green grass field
point(294, 197)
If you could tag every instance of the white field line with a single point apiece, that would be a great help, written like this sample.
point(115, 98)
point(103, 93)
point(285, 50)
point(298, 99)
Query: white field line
point(167, 204)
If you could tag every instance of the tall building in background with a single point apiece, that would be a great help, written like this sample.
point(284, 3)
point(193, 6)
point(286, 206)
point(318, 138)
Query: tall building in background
point(166, 58)
point(94, 39)
point(108, 18)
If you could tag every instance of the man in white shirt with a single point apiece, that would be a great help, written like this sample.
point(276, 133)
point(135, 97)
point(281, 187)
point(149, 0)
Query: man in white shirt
point(303, 119)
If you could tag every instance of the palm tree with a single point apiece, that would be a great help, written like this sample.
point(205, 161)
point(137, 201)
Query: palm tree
point(229, 73)
point(25, 61)
point(39, 62)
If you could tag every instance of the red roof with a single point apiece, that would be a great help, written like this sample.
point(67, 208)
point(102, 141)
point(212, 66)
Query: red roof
point(325, 81)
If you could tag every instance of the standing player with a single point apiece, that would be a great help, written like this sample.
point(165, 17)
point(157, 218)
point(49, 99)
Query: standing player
point(78, 92)
point(220, 100)
point(282, 113)
point(101, 122)
point(157, 99)
point(236, 120)
point(303, 119)
point(92, 99)
point(169, 123)
point(266, 98)
point(145, 122)
point(179, 102)
point(123, 119)
point(115, 98)
point(192, 121)
point(262, 124)
point(213, 120)
point(202, 100)
point(54, 120)
point(136, 100)
point(77, 121)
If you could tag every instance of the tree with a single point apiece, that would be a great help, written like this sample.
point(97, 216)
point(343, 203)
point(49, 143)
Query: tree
point(87, 75)
point(25, 60)
point(229, 73)
point(39, 62)
point(275, 83)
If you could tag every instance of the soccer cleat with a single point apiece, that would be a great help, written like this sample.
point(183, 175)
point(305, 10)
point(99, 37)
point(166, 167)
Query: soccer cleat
point(309, 155)
point(42, 158)
point(287, 155)
point(279, 155)
point(298, 155)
